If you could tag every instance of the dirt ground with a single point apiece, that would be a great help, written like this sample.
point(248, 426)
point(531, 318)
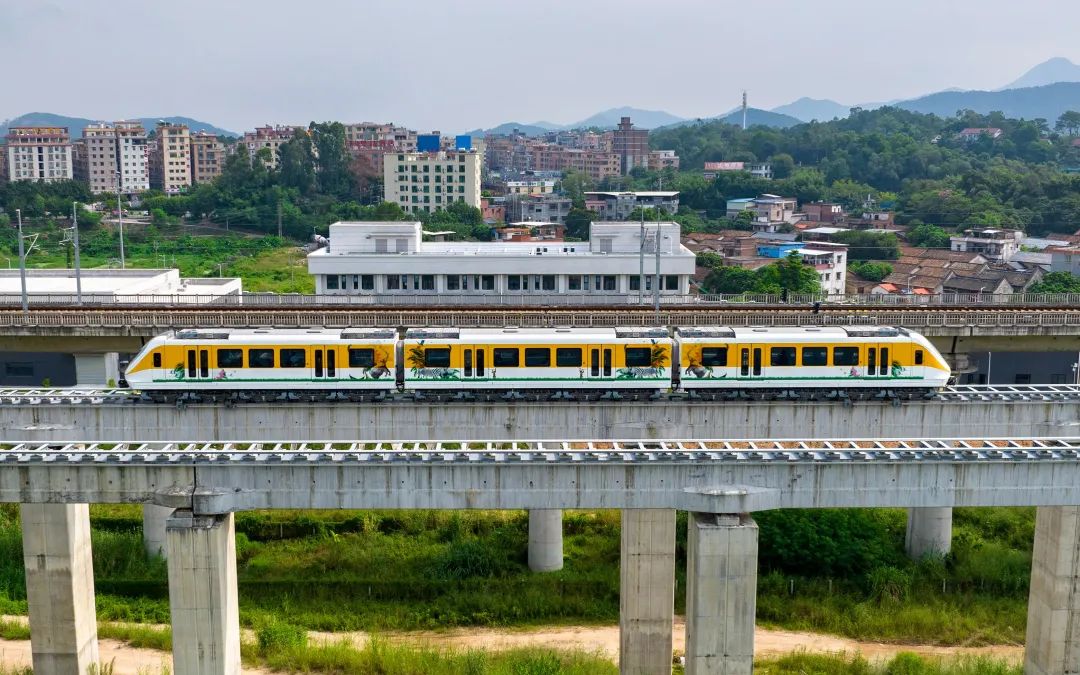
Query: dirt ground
point(603, 639)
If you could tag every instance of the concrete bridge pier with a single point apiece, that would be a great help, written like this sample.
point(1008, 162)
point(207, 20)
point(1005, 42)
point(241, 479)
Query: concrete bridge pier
point(545, 540)
point(646, 591)
point(1053, 625)
point(203, 599)
point(929, 531)
point(59, 587)
point(721, 594)
point(154, 519)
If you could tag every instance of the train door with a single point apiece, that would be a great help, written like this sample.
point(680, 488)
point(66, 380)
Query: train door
point(601, 364)
point(204, 363)
point(325, 363)
point(192, 368)
point(751, 361)
point(479, 358)
point(878, 360)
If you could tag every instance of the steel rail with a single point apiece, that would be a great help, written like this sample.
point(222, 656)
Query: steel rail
point(874, 451)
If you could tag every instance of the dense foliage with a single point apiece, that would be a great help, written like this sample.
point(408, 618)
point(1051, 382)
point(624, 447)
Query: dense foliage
point(789, 275)
point(1057, 282)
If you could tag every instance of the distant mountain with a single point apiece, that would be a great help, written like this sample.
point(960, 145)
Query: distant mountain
point(754, 117)
point(76, 125)
point(509, 127)
point(1047, 102)
point(642, 119)
point(809, 109)
point(1058, 69)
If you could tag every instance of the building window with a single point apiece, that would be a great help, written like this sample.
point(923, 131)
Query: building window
point(513, 282)
point(671, 282)
point(573, 282)
point(393, 282)
point(427, 282)
point(367, 282)
point(487, 282)
point(548, 281)
point(609, 282)
point(331, 282)
point(453, 282)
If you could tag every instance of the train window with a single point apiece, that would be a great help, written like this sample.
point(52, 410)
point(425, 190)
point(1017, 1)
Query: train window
point(883, 369)
point(845, 356)
point(871, 358)
point(260, 358)
point(918, 357)
point(537, 357)
point(361, 358)
point(157, 359)
point(744, 363)
point(437, 358)
point(638, 357)
point(815, 356)
point(293, 358)
point(505, 357)
point(468, 363)
point(607, 363)
point(568, 357)
point(230, 358)
point(782, 356)
point(594, 362)
point(713, 356)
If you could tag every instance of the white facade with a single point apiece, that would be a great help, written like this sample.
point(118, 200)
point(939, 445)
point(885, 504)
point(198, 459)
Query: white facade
point(110, 148)
point(391, 258)
point(993, 243)
point(160, 285)
point(830, 263)
point(39, 154)
point(431, 181)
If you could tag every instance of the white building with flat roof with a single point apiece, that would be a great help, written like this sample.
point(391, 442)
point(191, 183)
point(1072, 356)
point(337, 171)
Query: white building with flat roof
point(432, 181)
point(369, 258)
point(163, 286)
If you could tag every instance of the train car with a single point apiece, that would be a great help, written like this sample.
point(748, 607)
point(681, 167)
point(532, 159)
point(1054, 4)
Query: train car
point(559, 361)
point(851, 359)
point(357, 363)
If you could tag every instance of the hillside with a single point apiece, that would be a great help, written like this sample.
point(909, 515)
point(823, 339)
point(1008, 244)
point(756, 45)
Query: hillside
point(643, 119)
point(75, 125)
point(1057, 69)
point(509, 127)
point(809, 109)
point(1047, 102)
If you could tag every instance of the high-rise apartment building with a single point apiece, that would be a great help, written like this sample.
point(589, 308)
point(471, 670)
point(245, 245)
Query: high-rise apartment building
point(39, 154)
point(268, 137)
point(170, 167)
point(106, 153)
point(631, 145)
point(207, 157)
point(431, 181)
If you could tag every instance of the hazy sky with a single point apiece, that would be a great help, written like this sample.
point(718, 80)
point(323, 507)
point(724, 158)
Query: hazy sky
point(438, 64)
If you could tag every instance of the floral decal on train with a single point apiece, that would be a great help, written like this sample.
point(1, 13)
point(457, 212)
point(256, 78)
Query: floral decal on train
point(419, 368)
point(896, 370)
point(178, 371)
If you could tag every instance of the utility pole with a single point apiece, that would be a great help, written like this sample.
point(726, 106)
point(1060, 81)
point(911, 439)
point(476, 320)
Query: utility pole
point(22, 265)
point(279, 217)
point(219, 266)
point(744, 110)
point(656, 281)
point(120, 217)
point(75, 241)
point(641, 262)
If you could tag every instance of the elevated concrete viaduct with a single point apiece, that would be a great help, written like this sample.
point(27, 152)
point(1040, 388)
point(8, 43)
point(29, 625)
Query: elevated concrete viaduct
point(720, 482)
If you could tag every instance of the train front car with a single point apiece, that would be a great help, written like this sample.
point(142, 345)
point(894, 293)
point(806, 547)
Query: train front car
point(292, 364)
point(537, 363)
point(767, 362)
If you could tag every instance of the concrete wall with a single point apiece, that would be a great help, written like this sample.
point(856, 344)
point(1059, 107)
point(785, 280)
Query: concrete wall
point(30, 369)
point(1022, 368)
point(535, 421)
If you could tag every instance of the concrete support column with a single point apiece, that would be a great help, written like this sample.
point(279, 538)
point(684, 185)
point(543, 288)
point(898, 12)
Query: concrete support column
point(1053, 625)
point(721, 594)
point(59, 587)
point(153, 525)
point(929, 531)
point(545, 540)
point(202, 594)
point(646, 591)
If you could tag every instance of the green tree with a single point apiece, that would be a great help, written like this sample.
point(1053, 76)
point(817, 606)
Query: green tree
point(783, 165)
point(869, 245)
point(331, 159)
point(928, 236)
point(578, 220)
point(871, 271)
point(1057, 282)
point(1068, 123)
point(730, 280)
point(574, 184)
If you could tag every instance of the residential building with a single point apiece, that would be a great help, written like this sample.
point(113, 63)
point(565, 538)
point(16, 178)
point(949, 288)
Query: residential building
point(768, 209)
point(3, 163)
point(1065, 258)
point(759, 169)
point(391, 258)
point(108, 152)
point(170, 158)
point(493, 210)
point(620, 205)
point(972, 134)
point(39, 154)
point(268, 138)
point(995, 244)
point(544, 208)
point(663, 159)
point(207, 157)
point(531, 231)
point(631, 145)
point(431, 181)
point(401, 138)
point(739, 249)
point(596, 165)
point(823, 212)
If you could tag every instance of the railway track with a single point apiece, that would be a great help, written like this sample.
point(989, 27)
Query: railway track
point(954, 394)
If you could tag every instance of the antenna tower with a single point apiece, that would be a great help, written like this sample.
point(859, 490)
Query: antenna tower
point(744, 110)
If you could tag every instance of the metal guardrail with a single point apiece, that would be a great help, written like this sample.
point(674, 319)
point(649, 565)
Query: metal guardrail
point(147, 321)
point(545, 452)
point(14, 396)
point(258, 300)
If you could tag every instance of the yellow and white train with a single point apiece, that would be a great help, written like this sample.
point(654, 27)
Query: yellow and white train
point(364, 364)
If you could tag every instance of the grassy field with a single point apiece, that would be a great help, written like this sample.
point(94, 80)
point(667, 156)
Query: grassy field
point(841, 572)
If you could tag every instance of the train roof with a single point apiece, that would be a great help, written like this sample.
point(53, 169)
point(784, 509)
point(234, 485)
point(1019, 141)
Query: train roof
point(578, 334)
point(749, 333)
point(281, 333)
